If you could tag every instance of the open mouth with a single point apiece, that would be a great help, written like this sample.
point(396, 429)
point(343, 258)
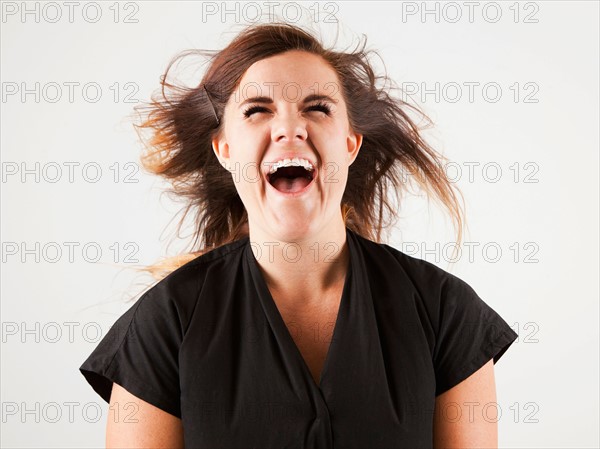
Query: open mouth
point(291, 179)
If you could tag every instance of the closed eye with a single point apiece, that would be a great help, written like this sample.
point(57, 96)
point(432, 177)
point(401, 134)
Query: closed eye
point(322, 107)
point(248, 112)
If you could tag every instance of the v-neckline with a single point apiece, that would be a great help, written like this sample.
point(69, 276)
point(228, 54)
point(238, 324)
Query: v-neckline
point(278, 322)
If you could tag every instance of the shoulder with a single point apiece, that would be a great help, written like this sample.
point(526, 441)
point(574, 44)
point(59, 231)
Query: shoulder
point(430, 287)
point(175, 297)
point(423, 275)
point(191, 273)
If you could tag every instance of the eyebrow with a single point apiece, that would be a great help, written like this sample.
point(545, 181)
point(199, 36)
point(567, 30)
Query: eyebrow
point(268, 100)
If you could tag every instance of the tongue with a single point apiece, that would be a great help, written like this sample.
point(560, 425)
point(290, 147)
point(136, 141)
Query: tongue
point(290, 185)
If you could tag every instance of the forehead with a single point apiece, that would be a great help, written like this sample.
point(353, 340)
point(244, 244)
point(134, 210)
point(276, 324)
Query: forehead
point(287, 73)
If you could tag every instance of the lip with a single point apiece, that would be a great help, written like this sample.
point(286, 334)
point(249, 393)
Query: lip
point(294, 194)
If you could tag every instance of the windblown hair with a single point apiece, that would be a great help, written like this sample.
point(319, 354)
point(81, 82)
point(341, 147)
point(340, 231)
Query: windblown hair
point(182, 123)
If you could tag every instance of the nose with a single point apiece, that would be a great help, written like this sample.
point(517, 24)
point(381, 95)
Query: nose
point(290, 127)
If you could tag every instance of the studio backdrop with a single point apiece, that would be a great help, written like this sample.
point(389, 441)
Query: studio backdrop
point(511, 89)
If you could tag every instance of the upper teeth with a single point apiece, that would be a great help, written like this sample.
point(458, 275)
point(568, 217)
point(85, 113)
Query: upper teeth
point(297, 161)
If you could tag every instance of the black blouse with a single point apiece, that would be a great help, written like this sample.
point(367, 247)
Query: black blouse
point(207, 344)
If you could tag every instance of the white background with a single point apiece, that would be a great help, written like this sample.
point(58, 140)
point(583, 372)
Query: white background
point(544, 283)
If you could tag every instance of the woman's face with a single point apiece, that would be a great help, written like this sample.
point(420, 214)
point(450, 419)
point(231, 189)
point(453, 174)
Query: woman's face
point(270, 117)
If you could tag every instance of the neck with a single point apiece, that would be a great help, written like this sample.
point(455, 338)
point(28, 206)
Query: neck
point(300, 272)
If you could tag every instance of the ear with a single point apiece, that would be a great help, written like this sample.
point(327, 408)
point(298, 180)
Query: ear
point(354, 142)
point(221, 150)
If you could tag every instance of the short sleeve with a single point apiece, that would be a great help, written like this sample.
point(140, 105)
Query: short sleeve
point(470, 333)
point(140, 353)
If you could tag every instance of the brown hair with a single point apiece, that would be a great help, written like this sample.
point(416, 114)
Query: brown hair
point(182, 123)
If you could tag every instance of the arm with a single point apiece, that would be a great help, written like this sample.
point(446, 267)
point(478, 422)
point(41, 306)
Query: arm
point(453, 427)
point(154, 428)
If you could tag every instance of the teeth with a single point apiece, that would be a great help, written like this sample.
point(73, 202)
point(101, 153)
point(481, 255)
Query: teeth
point(297, 161)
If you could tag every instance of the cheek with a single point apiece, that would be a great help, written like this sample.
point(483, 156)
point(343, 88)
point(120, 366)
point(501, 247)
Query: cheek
point(249, 140)
point(245, 164)
point(340, 177)
point(330, 131)
point(331, 141)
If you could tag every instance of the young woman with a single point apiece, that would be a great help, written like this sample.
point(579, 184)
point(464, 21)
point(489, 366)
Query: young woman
point(294, 326)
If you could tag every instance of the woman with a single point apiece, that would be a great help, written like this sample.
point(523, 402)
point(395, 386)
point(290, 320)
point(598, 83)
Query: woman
point(294, 327)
